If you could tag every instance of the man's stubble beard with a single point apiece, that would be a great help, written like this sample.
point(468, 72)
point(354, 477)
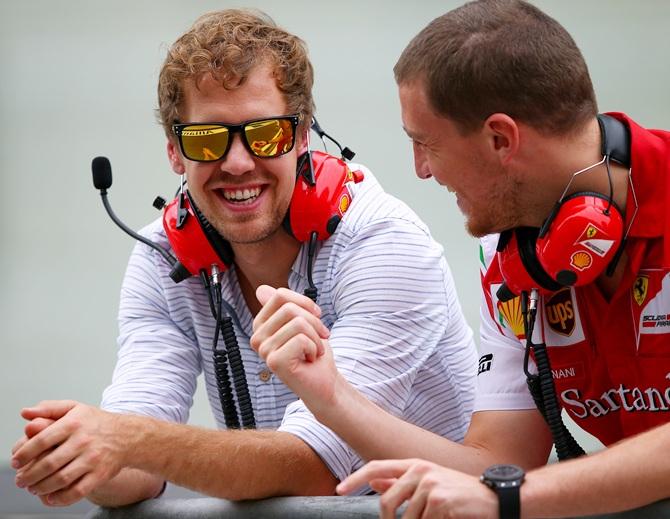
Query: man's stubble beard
point(502, 211)
point(239, 232)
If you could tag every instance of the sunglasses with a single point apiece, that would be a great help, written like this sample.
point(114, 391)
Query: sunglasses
point(264, 138)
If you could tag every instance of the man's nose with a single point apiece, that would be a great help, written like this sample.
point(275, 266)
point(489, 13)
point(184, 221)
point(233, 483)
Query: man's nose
point(421, 166)
point(238, 160)
point(423, 174)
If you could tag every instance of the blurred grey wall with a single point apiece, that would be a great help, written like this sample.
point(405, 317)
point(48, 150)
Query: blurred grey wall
point(78, 79)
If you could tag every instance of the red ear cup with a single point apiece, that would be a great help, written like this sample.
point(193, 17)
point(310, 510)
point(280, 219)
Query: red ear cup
point(195, 243)
point(519, 266)
point(319, 206)
point(582, 239)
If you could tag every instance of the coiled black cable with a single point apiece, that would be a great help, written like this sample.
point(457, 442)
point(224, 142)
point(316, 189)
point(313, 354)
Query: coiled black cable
point(224, 327)
point(541, 386)
point(225, 390)
point(311, 290)
point(221, 370)
point(239, 375)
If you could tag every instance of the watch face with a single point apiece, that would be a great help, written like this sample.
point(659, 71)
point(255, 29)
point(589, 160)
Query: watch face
point(504, 473)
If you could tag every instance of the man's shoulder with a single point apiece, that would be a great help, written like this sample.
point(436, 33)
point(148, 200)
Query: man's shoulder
point(372, 206)
point(154, 231)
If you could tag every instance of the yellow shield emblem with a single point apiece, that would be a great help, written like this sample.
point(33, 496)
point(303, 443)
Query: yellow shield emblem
point(591, 231)
point(640, 289)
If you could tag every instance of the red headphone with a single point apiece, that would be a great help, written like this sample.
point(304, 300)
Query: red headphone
point(582, 237)
point(320, 198)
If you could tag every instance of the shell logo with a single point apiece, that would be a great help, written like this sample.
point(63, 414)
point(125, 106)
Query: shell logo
point(344, 203)
point(511, 312)
point(581, 260)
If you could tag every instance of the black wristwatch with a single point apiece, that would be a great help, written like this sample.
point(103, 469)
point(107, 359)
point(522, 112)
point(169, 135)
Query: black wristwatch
point(505, 480)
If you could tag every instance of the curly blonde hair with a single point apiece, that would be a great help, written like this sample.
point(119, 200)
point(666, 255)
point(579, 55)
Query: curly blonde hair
point(228, 44)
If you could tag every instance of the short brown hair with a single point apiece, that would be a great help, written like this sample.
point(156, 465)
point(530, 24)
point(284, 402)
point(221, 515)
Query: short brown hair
point(228, 44)
point(507, 56)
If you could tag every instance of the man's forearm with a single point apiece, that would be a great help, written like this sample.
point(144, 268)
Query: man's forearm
point(376, 434)
point(128, 486)
point(628, 475)
point(229, 464)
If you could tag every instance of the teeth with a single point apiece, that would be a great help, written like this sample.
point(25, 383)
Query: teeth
point(241, 195)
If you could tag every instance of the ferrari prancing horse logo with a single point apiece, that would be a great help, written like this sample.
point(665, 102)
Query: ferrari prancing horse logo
point(640, 289)
point(591, 231)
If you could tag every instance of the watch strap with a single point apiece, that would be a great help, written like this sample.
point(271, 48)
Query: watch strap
point(509, 502)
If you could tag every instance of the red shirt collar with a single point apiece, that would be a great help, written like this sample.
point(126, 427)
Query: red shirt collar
point(650, 170)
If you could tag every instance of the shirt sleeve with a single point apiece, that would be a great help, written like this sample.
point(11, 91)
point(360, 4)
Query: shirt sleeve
point(501, 381)
point(393, 299)
point(158, 362)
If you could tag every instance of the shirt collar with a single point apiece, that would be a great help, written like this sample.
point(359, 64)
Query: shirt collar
point(649, 171)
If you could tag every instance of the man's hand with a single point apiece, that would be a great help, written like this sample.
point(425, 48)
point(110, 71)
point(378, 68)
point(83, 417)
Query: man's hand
point(31, 429)
point(433, 491)
point(69, 450)
point(291, 339)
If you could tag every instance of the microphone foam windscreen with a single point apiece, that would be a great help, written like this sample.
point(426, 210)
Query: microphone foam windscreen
point(102, 173)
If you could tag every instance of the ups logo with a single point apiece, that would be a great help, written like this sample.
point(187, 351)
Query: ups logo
point(560, 312)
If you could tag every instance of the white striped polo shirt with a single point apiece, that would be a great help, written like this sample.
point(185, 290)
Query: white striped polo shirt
point(386, 293)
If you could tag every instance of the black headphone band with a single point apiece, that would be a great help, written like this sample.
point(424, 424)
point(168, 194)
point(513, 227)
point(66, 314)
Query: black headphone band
point(616, 140)
point(218, 243)
point(525, 239)
point(594, 194)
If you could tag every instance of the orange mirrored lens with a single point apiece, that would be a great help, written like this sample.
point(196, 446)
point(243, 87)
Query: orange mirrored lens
point(204, 142)
point(269, 138)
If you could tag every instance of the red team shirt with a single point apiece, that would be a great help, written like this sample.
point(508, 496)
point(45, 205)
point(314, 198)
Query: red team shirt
point(610, 359)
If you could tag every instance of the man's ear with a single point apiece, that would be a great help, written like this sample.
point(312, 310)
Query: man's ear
point(502, 136)
point(175, 158)
point(301, 140)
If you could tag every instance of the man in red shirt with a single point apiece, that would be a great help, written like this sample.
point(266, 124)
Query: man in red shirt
point(499, 104)
point(608, 341)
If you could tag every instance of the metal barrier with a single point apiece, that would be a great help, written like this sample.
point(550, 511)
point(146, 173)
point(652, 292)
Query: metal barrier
point(295, 508)
point(363, 507)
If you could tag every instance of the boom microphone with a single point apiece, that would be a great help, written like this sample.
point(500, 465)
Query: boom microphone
point(224, 358)
point(102, 173)
point(102, 180)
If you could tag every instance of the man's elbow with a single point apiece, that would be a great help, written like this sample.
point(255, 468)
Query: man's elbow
point(127, 490)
